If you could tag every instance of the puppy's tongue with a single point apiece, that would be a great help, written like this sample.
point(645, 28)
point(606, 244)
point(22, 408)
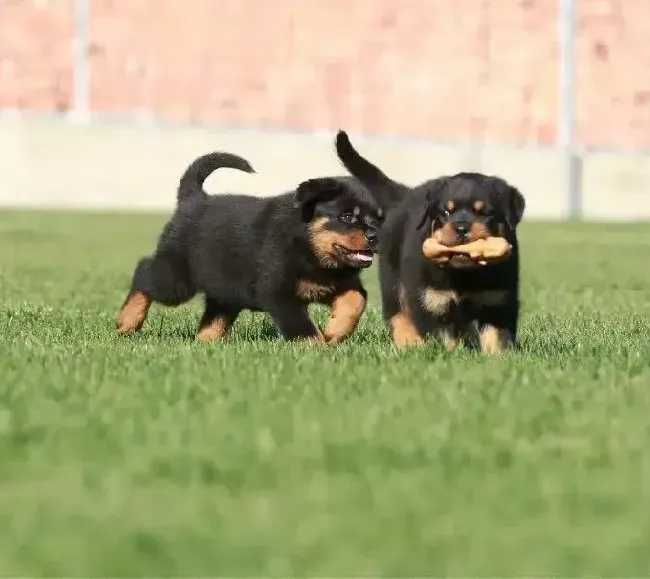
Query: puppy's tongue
point(361, 257)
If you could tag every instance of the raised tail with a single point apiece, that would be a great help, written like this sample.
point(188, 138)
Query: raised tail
point(387, 191)
point(191, 184)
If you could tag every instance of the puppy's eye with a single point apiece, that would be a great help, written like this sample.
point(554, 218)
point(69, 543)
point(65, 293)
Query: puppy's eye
point(348, 218)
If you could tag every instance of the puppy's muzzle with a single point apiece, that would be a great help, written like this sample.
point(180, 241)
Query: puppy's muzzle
point(463, 230)
point(372, 237)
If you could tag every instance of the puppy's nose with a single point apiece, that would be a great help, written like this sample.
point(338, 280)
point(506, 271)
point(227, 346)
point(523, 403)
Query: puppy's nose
point(462, 229)
point(371, 237)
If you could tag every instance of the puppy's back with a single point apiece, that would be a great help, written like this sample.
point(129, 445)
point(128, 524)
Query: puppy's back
point(234, 233)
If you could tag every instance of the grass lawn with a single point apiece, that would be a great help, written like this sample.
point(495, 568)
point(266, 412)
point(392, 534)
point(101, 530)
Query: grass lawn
point(157, 455)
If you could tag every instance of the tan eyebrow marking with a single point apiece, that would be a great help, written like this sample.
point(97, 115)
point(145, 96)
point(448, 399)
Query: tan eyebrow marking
point(451, 206)
point(356, 210)
point(479, 206)
point(380, 212)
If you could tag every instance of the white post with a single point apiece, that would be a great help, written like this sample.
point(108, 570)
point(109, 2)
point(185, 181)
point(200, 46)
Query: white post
point(81, 72)
point(567, 96)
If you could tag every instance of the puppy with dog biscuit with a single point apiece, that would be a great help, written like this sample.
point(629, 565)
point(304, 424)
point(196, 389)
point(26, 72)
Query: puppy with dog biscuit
point(275, 254)
point(449, 255)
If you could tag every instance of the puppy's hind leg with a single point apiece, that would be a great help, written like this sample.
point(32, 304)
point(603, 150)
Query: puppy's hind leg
point(136, 305)
point(158, 278)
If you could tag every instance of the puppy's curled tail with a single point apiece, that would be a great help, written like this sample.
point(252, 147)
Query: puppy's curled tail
point(387, 191)
point(191, 184)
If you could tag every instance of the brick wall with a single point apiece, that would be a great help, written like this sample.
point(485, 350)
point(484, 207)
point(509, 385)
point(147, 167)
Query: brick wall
point(438, 69)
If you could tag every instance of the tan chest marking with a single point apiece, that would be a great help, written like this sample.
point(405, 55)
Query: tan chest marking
point(439, 302)
point(312, 292)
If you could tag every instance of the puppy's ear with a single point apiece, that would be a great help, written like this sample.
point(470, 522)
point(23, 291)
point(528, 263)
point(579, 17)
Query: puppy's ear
point(424, 217)
point(313, 191)
point(430, 197)
point(512, 202)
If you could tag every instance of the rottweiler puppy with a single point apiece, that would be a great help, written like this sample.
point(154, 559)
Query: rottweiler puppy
point(275, 254)
point(460, 299)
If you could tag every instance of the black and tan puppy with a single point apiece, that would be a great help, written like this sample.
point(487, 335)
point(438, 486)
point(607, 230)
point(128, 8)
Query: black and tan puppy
point(459, 299)
point(276, 254)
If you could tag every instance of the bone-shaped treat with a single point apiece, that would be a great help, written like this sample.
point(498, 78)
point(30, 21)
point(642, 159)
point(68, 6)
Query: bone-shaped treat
point(481, 250)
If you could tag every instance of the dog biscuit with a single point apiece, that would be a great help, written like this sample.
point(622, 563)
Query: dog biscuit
point(482, 250)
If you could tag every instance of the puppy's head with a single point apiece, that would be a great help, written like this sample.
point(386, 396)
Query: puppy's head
point(343, 221)
point(470, 206)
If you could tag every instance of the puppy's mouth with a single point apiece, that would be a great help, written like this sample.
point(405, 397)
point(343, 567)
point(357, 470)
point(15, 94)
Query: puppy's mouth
point(461, 261)
point(354, 257)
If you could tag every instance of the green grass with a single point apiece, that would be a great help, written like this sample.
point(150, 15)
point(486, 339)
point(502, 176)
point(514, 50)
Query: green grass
point(157, 455)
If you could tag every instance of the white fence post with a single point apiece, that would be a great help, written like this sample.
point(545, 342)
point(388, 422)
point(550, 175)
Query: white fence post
point(81, 72)
point(567, 100)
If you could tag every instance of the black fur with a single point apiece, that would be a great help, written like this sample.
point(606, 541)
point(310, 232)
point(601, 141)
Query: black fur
point(387, 191)
point(484, 297)
point(244, 252)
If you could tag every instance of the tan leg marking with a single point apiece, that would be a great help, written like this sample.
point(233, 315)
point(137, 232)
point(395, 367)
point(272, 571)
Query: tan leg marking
point(345, 312)
point(450, 338)
point(495, 340)
point(216, 329)
point(133, 313)
point(405, 334)
point(312, 341)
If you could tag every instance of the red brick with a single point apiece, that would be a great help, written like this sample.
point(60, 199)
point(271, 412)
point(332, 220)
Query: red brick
point(437, 69)
point(614, 66)
point(36, 54)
